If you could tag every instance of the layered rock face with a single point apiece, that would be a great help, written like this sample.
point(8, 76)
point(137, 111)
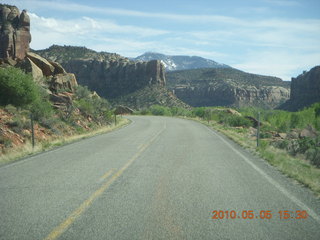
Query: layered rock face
point(305, 90)
point(14, 32)
point(227, 87)
point(227, 95)
point(109, 74)
point(112, 79)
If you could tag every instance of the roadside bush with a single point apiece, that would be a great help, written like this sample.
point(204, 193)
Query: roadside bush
point(199, 112)
point(85, 106)
point(305, 144)
point(235, 121)
point(41, 109)
point(176, 111)
point(18, 124)
point(11, 109)
point(313, 155)
point(5, 141)
point(160, 110)
point(265, 134)
point(145, 112)
point(17, 88)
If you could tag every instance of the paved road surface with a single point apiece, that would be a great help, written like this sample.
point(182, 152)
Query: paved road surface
point(158, 178)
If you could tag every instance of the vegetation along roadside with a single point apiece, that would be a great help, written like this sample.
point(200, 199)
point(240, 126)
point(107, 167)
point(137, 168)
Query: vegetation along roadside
point(290, 141)
point(73, 115)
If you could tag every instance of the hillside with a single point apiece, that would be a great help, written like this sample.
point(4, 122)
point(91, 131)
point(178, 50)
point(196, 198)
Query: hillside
point(227, 87)
point(305, 90)
point(63, 54)
point(111, 75)
point(33, 87)
point(173, 63)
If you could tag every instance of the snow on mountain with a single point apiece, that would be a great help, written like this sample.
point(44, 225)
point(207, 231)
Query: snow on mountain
point(173, 63)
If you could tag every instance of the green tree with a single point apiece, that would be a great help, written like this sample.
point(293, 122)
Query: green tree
point(17, 88)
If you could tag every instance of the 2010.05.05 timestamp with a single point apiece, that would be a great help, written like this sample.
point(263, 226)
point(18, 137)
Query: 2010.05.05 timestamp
point(262, 214)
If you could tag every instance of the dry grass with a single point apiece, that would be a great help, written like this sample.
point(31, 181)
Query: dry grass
point(27, 150)
point(293, 167)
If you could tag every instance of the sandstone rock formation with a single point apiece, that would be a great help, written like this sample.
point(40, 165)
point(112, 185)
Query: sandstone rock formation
point(228, 95)
point(14, 51)
point(112, 79)
point(305, 90)
point(227, 87)
point(109, 74)
point(14, 32)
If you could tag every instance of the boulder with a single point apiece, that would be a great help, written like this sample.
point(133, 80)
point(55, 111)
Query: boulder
point(28, 66)
point(281, 135)
point(57, 68)
point(65, 81)
point(233, 112)
point(308, 132)
point(42, 63)
point(60, 98)
point(293, 134)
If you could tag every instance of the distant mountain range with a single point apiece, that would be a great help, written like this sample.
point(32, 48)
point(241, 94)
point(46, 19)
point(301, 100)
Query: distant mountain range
point(173, 63)
point(142, 81)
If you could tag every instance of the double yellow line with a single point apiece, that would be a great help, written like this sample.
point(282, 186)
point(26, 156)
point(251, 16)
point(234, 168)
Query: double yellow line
point(86, 204)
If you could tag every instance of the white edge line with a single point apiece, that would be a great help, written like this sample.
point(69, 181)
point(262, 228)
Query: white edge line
point(303, 206)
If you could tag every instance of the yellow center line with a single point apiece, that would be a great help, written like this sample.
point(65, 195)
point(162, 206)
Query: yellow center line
point(86, 204)
point(107, 174)
point(141, 146)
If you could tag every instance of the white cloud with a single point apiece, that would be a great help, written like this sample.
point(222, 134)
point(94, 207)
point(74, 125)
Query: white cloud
point(273, 46)
point(87, 25)
point(278, 63)
point(284, 3)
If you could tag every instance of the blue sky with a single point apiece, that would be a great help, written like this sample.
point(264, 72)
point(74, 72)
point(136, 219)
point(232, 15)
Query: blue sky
point(270, 37)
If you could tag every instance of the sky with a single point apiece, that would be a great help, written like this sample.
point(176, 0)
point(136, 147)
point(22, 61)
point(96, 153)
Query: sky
point(268, 37)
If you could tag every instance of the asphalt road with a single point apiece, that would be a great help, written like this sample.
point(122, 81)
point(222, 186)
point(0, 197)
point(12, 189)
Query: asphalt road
point(157, 178)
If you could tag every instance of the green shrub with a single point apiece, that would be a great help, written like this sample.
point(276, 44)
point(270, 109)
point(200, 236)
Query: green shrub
point(85, 106)
point(265, 134)
point(283, 144)
point(234, 120)
point(5, 141)
point(145, 112)
point(305, 144)
point(41, 109)
point(17, 88)
point(160, 110)
point(199, 112)
point(11, 109)
point(82, 92)
point(18, 124)
point(314, 156)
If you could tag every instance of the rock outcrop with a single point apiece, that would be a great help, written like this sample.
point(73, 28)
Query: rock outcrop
point(109, 74)
point(14, 32)
point(112, 79)
point(305, 90)
point(229, 95)
point(14, 51)
point(227, 87)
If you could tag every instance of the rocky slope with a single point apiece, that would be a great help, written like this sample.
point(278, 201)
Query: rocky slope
point(227, 87)
point(305, 90)
point(111, 75)
point(56, 88)
point(173, 63)
point(15, 38)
